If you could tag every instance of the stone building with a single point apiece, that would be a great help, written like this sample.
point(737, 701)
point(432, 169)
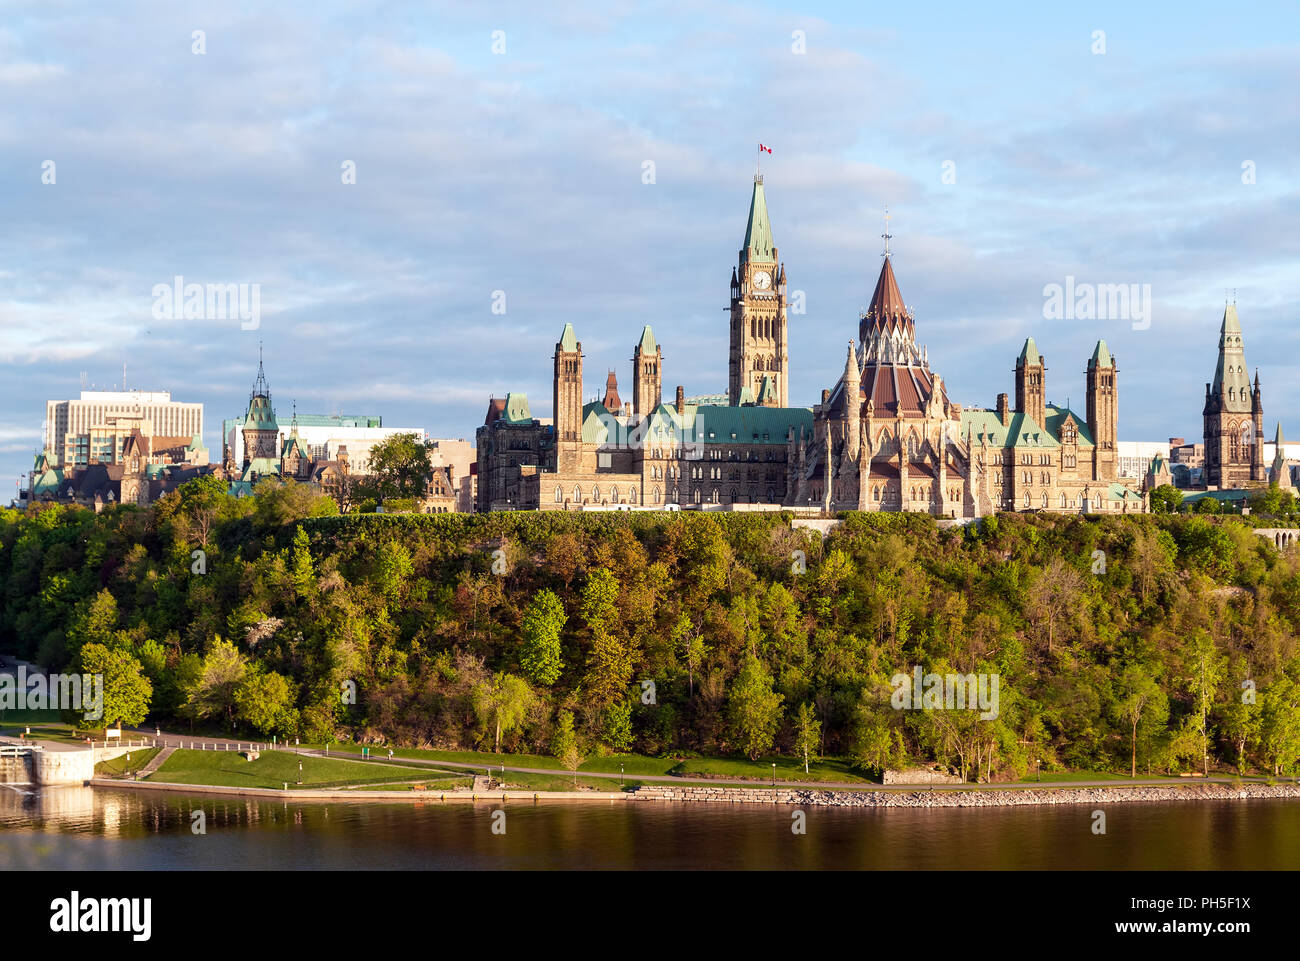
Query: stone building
point(1233, 415)
point(886, 437)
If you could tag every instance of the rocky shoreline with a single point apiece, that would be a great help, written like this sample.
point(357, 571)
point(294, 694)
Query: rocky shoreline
point(974, 797)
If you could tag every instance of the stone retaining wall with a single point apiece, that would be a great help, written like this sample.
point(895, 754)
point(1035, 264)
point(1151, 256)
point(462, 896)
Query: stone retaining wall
point(1006, 797)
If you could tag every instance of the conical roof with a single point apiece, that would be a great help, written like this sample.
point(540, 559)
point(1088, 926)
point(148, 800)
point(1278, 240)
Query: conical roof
point(758, 230)
point(887, 308)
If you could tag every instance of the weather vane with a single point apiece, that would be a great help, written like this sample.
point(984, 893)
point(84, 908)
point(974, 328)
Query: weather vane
point(886, 235)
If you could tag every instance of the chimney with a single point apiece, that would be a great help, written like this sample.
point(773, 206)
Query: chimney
point(1004, 413)
point(681, 399)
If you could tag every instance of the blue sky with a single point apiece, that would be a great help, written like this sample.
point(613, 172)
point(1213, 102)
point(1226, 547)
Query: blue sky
point(522, 172)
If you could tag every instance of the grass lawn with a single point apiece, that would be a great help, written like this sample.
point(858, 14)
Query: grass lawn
point(484, 759)
point(272, 770)
point(119, 766)
point(433, 785)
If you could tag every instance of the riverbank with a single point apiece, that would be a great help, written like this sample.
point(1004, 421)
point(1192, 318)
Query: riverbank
point(1010, 796)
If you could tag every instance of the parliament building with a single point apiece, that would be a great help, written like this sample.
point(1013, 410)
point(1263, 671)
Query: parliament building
point(885, 436)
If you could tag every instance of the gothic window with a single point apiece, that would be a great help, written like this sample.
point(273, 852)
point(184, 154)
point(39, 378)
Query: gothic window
point(1029, 477)
point(1044, 501)
point(1063, 501)
point(631, 495)
point(1027, 502)
point(613, 493)
point(658, 497)
point(753, 328)
point(559, 494)
point(875, 493)
point(595, 494)
point(577, 494)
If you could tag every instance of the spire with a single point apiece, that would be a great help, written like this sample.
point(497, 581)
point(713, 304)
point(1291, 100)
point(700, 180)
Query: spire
point(260, 389)
point(1029, 354)
point(647, 343)
point(851, 371)
point(1101, 356)
point(612, 401)
point(1231, 382)
point(1278, 438)
point(568, 339)
point(758, 231)
point(887, 308)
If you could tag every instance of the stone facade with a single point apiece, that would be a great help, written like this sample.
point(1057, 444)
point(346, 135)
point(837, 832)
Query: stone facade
point(1233, 415)
point(887, 438)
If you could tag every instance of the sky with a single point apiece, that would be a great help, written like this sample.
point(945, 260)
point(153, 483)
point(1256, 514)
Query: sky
point(502, 154)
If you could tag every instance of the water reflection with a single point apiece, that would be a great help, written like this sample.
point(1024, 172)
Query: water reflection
point(81, 828)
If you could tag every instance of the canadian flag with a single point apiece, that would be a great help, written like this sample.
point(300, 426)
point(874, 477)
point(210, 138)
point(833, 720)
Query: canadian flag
point(761, 147)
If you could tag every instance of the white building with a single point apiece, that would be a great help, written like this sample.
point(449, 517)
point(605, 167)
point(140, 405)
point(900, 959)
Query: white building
point(323, 435)
point(96, 426)
point(1135, 456)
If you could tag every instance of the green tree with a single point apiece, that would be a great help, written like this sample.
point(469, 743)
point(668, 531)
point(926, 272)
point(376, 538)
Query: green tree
point(127, 692)
point(400, 466)
point(1166, 499)
point(1280, 724)
point(1139, 696)
point(564, 744)
point(501, 703)
point(264, 701)
point(213, 692)
point(539, 654)
point(807, 733)
point(1207, 505)
point(1204, 675)
point(754, 708)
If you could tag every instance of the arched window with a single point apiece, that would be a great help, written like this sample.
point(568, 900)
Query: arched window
point(1044, 501)
point(577, 494)
point(1063, 501)
point(1027, 501)
point(613, 494)
point(875, 493)
point(559, 494)
point(595, 494)
point(631, 495)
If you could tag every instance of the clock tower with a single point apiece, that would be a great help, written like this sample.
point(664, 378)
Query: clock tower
point(760, 358)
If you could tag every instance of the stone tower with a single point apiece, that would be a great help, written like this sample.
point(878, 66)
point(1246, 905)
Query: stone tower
point(759, 346)
point(1233, 414)
point(261, 433)
point(1103, 410)
point(568, 401)
point(647, 374)
point(1031, 383)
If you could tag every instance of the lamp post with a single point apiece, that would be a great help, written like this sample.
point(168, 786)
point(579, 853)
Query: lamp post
point(620, 776)
point(773, 779)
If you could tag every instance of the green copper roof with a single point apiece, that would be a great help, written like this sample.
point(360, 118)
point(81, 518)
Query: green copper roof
point(1231, 381)
point(568, 339)
point(727, 425)
point(517, 410)
point(647, 344)
point(1023, 431)
point(1278, 438)
point(758, 231)
point(260, 416)
point(1101, 356)
point(1029, 353)
point(1056, 418)
point(767, 390)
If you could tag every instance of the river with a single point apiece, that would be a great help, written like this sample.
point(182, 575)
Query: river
point(83, 828)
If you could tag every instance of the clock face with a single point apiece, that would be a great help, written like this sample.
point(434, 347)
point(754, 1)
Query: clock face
point(762, 280)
